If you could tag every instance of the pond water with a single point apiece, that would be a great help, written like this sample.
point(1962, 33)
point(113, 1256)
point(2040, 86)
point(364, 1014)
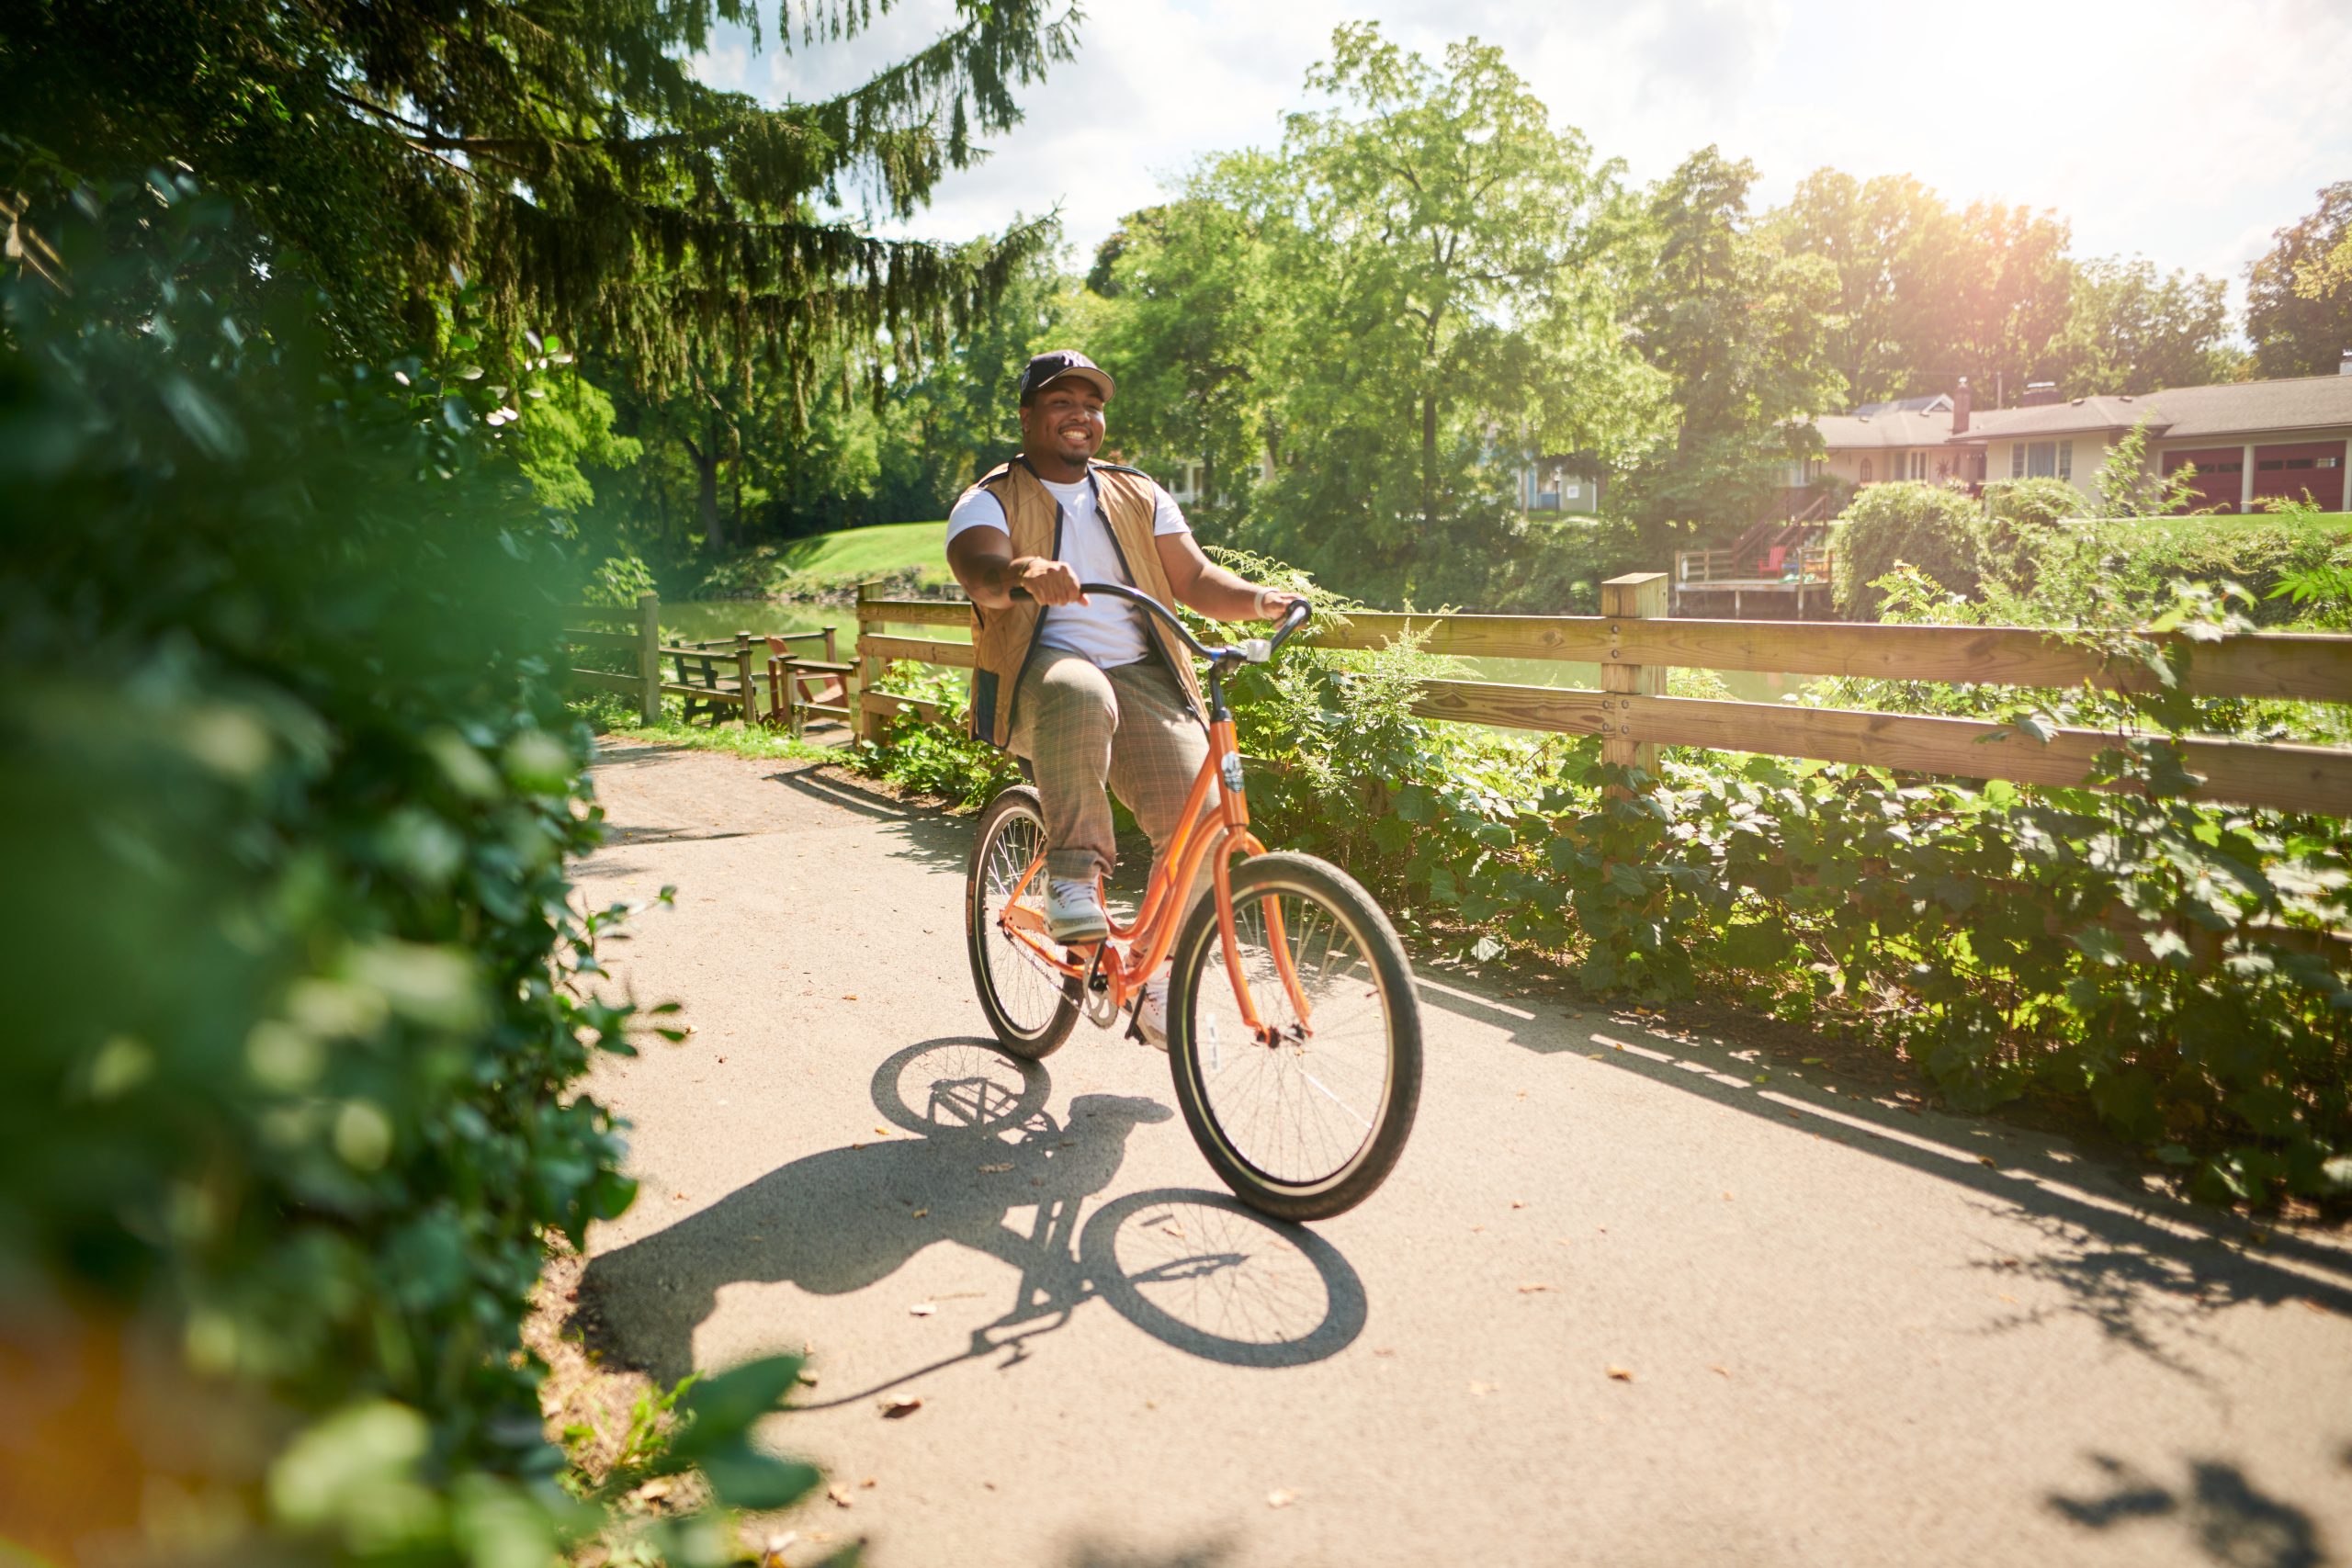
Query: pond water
point(700, 621)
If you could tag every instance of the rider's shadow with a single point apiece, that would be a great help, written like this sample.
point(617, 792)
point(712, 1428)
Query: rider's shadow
point(1194, 1270)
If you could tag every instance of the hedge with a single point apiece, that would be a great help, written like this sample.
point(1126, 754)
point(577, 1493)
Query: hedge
point(292, 1104)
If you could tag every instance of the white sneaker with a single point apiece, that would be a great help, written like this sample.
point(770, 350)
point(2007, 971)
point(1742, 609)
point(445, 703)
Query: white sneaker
point(1074, 910)
point(1151, 1018)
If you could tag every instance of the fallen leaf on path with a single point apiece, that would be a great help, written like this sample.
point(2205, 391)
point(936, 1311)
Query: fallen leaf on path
point(898, 1410)
point(1594, 1055)
point(657, 1488)
point(1482, 1389)
point(849, 995)
point(1726, 1197)
point(1519, 1202)
point(1281, 1498)
point(1622, 1374)
point(992, 1169)
point(2011, 1299)
point(921, 1309)
point(1719, 1372)
point(881, 1131)
point(809, 1377)
point(1475, 1229)
point(772, 1551)
point(840, 1495)
point(919, 1214)
point(1389, 1351)
point(1815, 1062)
point(1988, 1159)
point(1531, 1290)
point(1172, 1228)
point(869, 1483)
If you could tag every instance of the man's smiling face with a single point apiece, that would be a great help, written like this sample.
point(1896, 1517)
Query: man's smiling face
point(1064, 421)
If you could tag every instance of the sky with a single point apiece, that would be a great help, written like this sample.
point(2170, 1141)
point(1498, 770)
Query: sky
point(2184, 131)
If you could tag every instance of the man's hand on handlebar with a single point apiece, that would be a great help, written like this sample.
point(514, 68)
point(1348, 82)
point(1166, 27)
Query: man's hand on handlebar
point(1047, 582)
point(1273, 603)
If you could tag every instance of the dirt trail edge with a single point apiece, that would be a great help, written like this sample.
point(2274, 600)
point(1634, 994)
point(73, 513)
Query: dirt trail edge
point(1622, 1302)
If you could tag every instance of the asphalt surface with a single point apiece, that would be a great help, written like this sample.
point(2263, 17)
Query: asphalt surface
point(1619, 1303)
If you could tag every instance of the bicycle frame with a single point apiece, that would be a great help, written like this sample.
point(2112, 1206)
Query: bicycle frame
point(1202, 832)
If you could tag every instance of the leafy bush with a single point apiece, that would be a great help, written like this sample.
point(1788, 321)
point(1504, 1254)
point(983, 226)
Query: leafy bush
point(2021, 517)
point(1932, 527)
point(2135, 560)
point(286, 804)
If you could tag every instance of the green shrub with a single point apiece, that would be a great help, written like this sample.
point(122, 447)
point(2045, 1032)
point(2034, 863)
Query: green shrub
point(1930, 526)
point(285, 806)
point(2135, 560)
point(2020, 519)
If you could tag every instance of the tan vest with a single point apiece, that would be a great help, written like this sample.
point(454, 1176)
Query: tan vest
point(1005, 639)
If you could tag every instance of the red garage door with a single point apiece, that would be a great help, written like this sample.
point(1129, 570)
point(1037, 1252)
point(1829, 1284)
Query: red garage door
point(2220, 470)
point(2312, 466)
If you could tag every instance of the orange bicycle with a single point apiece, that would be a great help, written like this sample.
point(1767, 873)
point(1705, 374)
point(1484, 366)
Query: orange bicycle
point(1294, 1030)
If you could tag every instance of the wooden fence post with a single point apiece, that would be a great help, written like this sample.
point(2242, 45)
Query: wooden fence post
point(1637, 595)
point(871, 725)
point(750, 692)
point(648, 657)
point(831, 656)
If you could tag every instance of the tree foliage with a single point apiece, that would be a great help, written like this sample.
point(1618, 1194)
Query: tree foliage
point(562, 157)
point(1741, 328)
point(2298, 308)
point(2133, 330)
point(285, 796)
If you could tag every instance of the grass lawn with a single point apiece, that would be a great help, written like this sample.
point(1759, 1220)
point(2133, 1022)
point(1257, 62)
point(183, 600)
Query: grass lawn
point(849, 555)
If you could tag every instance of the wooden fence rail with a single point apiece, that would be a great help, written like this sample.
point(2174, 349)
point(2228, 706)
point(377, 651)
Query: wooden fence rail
point(715, 674)
point(1634, 643)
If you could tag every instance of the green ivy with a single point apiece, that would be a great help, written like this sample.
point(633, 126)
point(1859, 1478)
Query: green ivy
point(287, 794)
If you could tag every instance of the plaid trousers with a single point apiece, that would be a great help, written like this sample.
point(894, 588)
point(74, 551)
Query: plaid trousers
point(1082, 725)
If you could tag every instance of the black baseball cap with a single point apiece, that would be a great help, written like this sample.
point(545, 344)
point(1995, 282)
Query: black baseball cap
point(1057, 363)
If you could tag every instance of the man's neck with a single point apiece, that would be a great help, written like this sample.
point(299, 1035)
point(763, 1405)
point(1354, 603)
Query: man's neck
point(1054, 468)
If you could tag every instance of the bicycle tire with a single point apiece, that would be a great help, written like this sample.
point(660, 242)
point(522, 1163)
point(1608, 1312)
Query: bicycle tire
point(1033, 1026)
point(1214, 1077)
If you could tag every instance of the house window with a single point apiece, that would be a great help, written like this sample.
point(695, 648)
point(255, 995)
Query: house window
point(1866, 470)
point(2042, 460)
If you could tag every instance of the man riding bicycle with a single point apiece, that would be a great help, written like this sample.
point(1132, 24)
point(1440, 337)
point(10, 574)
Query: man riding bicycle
point(1089, 691)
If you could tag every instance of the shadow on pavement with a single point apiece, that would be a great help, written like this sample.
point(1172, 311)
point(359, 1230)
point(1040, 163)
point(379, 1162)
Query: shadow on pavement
point(2133, 1261)
point(2129, 1260)
point(1194, 1270)
point(2225, 1517)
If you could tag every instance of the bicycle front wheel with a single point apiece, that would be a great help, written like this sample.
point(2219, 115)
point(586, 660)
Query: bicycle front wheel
point(1031, 1007)
point(1304, 1116)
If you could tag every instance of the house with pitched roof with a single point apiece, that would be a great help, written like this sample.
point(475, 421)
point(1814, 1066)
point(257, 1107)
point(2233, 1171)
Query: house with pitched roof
point(2248, 441)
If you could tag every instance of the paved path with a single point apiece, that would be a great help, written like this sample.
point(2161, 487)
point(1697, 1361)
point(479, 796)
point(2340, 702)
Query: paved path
point(1851, 1335)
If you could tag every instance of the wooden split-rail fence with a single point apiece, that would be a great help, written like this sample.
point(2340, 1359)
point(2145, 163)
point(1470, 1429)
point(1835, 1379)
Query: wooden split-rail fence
point(759, 678)
point(1636, 643)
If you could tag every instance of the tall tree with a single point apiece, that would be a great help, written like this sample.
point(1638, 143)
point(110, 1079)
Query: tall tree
point(2132, 329)
point(2297, 313)
point(1743, 331)
point(1930, 295)
point(1185, 302)
point(1443, 268)
point(560, 154)
point(1887, 240)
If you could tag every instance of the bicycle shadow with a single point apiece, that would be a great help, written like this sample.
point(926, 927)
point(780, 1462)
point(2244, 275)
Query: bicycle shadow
point(1194, 1270)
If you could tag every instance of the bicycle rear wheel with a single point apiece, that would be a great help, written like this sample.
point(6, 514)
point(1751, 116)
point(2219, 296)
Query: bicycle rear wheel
point(1306, 1120)
point(1031, 1007)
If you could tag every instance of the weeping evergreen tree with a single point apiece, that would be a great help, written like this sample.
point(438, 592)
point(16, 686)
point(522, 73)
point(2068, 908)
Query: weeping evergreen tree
point(559, 153)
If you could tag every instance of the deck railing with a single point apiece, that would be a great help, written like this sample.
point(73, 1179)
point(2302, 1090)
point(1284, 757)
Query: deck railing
point(1634, 643)
point(716, 674)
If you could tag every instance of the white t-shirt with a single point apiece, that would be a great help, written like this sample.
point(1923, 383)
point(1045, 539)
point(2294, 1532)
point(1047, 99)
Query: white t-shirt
point(1108, 631)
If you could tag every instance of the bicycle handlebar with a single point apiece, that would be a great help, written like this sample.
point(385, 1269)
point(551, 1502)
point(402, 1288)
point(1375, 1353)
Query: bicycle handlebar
point(1294, 618)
